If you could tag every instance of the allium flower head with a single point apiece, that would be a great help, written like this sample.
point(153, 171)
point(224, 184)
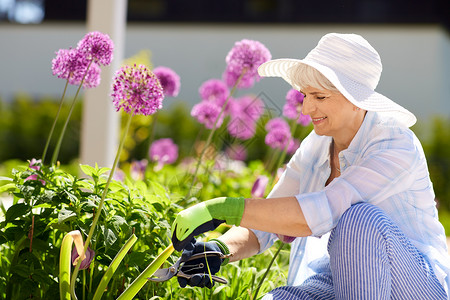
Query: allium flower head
point(92, 78)
point(98, 47)
point(164, 151)
point(245, 57)
point(241, 127)
point(137, 169)
point(214, 90)
point(70, 64)
point(293, 146)
point(278, 138)
point(207, 113)
point(137, 90)
point(170, 81)
point(277, 123)
point(251, 107)
point(293, 107)
point(236, 152)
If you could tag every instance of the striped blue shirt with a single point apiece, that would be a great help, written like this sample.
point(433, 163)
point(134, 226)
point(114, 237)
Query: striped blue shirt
point(384, 165)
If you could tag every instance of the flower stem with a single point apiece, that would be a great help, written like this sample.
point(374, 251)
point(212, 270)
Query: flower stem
point(211, 133)
point(61, 135)
point(267, 270)
point(54, 123)
point(100, 205)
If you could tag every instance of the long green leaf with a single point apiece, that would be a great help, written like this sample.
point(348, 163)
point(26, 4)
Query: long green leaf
point(113, 267)
point(64, 267)
point(139, 282)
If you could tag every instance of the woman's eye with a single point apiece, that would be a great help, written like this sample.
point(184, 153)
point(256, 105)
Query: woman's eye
point(321, 98)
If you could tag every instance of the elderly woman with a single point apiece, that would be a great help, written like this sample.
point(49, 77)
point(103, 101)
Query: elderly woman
point(356, 194)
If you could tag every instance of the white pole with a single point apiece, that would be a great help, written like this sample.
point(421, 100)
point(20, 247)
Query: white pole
point(100, 122)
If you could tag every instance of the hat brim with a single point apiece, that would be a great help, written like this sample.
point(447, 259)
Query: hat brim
point(357, 93)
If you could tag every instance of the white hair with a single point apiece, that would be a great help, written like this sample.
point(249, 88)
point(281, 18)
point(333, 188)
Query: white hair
point(303, 75)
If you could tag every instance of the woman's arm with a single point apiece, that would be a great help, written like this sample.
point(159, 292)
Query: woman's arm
point(241, 242)
point(278, 215)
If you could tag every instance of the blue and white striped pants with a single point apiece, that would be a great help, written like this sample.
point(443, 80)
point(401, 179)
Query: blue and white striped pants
point(370, 258)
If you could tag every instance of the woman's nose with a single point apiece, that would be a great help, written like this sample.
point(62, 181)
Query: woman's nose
point(307, 107)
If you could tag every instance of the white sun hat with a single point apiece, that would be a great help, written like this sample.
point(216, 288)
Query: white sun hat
point(353, 66)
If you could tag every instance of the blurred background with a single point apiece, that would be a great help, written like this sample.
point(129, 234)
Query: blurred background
point(193, 38)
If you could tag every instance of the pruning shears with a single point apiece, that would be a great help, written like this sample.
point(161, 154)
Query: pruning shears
point(183, 262)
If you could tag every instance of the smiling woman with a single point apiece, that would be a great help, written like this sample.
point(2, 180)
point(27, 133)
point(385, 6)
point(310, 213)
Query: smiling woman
point(359, 181)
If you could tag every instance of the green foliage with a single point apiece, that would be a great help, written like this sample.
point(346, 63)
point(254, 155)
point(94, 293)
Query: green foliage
point(33, 227)
point(437, 149)
point(32, 230)
point(25, 124)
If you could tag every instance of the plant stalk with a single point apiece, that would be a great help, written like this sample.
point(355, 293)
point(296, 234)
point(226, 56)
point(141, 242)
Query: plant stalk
point(54, 123)
point(61, 135)
point(100, 206)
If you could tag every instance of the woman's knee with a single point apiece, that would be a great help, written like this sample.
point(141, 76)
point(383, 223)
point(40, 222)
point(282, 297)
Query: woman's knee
point(361, 215)
point(359, 220)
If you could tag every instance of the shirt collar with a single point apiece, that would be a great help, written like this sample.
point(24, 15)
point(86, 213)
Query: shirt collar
point(361, 137)
point(354, 148)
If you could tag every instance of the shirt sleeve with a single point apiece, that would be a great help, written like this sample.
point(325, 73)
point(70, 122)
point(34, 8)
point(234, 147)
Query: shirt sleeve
point(287, 185)
point(385, 169)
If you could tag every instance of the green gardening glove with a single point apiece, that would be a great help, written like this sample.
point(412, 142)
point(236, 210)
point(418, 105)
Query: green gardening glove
point(204, 217)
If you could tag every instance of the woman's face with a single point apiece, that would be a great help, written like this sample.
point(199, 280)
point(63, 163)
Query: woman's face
point(331, 113)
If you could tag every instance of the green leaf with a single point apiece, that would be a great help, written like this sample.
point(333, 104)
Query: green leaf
point(118, 222)
point(5, 178)
point(110, 237)
point(21, 270)
point(14, 233)
point(16, 210)
point(64, 267)
point(139, 282)
point(7, 187)
point(113, 267)
point(65, 215)
point(88, 170)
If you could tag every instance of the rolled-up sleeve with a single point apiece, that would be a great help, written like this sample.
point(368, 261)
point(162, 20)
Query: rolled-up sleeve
point(376, 177)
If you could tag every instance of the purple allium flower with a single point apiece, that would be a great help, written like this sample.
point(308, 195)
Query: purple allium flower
point(98, 47)
point(35, 164)
point(170, 81)
point(164, 151)
point(277, 123)
point(119, 175)
point(278, 138)
point(245, 57)
point(86, 262)
point(214, 90)
point(293, 146)
point(92, 78)
point(137, 90)
point(207, 113)
point(252, 107)
point(70, 64)
point(137, 169)
point(293, 107)
point(286, 238)
point(236, 152)
point(241, 127)
point(259, 187)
